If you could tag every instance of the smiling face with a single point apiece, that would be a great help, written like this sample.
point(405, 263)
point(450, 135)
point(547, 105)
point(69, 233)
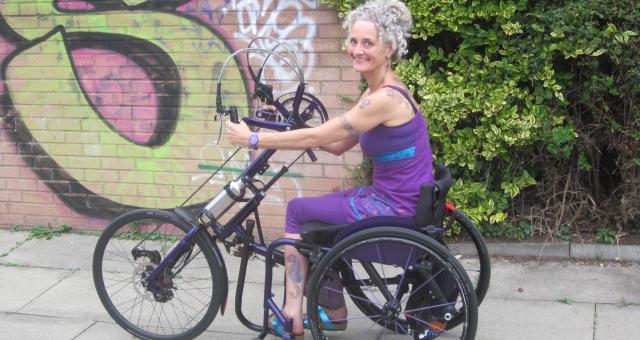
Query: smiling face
point(366, 50)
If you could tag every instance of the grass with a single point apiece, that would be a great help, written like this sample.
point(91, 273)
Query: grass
point(37, 232)
point(566, 301)
point(42, 232)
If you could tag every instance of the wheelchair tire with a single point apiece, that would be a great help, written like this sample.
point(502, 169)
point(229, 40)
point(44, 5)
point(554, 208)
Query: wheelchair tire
point(431, 287)
point(190, 296)
point(475, 259)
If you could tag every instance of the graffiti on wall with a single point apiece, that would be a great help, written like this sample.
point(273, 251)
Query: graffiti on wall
point(110, 102)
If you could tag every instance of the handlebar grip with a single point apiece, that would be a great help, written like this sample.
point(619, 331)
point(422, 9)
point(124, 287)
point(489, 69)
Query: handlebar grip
point(233, 115)
point(312, 155)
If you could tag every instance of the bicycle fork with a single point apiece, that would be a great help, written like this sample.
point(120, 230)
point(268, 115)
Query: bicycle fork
point(152, 281)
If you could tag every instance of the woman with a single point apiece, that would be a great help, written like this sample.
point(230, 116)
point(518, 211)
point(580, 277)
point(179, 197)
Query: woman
point(389, 127)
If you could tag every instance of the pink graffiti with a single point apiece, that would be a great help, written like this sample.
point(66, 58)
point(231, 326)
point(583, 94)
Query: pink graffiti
point(120, 90)
point(75, 5)
point(212, 13)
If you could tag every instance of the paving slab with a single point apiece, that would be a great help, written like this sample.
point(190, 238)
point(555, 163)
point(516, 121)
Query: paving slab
point(21, 326)
point(605, 252)
point(534, 320)
point(69, 251)
point(617, 322)
point(74, 297)
point(554, 281)
point(104, 331)
point(20, 285)
point(10, 240)
point(251, 308)
point(111, 331)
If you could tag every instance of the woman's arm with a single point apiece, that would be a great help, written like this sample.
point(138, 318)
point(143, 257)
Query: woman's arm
point(371, 111)
point(341, 146)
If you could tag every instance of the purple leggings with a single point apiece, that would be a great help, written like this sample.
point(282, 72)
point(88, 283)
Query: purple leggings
point(327, 208)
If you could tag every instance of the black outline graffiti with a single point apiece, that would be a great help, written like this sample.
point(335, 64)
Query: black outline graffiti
point(158, 66)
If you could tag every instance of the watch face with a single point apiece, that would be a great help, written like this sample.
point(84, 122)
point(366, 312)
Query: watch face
point(253, 140)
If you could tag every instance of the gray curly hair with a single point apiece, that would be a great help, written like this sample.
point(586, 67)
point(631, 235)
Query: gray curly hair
point(392, 19)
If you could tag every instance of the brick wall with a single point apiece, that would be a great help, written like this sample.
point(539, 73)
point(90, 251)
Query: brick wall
point(108, 104)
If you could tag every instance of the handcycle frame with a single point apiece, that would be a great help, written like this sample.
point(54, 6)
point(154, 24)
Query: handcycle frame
point(244, 240)
point(244, 235)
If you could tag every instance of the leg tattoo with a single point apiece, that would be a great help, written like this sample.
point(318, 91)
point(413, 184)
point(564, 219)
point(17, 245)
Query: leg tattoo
point(294, 269)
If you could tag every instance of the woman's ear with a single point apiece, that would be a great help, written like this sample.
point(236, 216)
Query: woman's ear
point(390, 51)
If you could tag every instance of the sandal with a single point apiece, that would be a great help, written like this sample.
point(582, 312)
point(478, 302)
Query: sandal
point(327, 324)
point(277, 327)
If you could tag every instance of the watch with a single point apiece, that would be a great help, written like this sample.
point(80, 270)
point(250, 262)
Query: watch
point(253, 141)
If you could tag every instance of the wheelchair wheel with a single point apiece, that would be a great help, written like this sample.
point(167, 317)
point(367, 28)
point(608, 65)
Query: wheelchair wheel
point(398, 283)
point(188, 294)
point(465, 243)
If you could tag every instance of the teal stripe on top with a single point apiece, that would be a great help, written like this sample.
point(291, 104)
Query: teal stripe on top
point(394, 156)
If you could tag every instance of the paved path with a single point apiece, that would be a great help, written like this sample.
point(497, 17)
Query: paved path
point(46, 292)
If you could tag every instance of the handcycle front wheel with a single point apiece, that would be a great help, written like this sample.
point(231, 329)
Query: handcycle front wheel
point(398, 283)
point(187, 296)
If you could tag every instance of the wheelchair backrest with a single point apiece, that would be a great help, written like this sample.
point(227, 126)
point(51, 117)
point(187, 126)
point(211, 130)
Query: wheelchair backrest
point(432, 199)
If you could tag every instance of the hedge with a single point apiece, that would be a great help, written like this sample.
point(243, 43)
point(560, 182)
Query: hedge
point(534, 106)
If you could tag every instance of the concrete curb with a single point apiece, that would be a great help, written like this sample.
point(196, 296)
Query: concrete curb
point(567, 250)
point(548, 251)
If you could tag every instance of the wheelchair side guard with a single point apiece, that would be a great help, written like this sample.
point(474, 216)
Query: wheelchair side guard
point(433, 198)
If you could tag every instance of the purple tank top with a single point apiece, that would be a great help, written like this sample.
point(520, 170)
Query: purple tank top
point(402, 160)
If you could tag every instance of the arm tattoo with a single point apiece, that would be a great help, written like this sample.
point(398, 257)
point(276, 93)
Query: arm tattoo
point(350, 129)
point(364, 103)
point(397, 97)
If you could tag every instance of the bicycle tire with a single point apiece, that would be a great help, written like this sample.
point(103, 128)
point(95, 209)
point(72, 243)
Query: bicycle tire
point(135, 308)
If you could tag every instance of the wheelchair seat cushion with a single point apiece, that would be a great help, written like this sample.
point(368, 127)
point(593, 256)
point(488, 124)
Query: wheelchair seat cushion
point(320, 233)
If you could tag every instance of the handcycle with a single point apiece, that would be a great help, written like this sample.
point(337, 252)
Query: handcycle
point(160, 274)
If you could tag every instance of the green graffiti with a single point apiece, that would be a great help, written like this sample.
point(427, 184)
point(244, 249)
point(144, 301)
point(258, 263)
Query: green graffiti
point(239, 170)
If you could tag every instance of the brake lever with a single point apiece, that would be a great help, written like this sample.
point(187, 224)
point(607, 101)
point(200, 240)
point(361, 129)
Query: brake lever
point(221, 120)
point(232, 112)
point(264, 92)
